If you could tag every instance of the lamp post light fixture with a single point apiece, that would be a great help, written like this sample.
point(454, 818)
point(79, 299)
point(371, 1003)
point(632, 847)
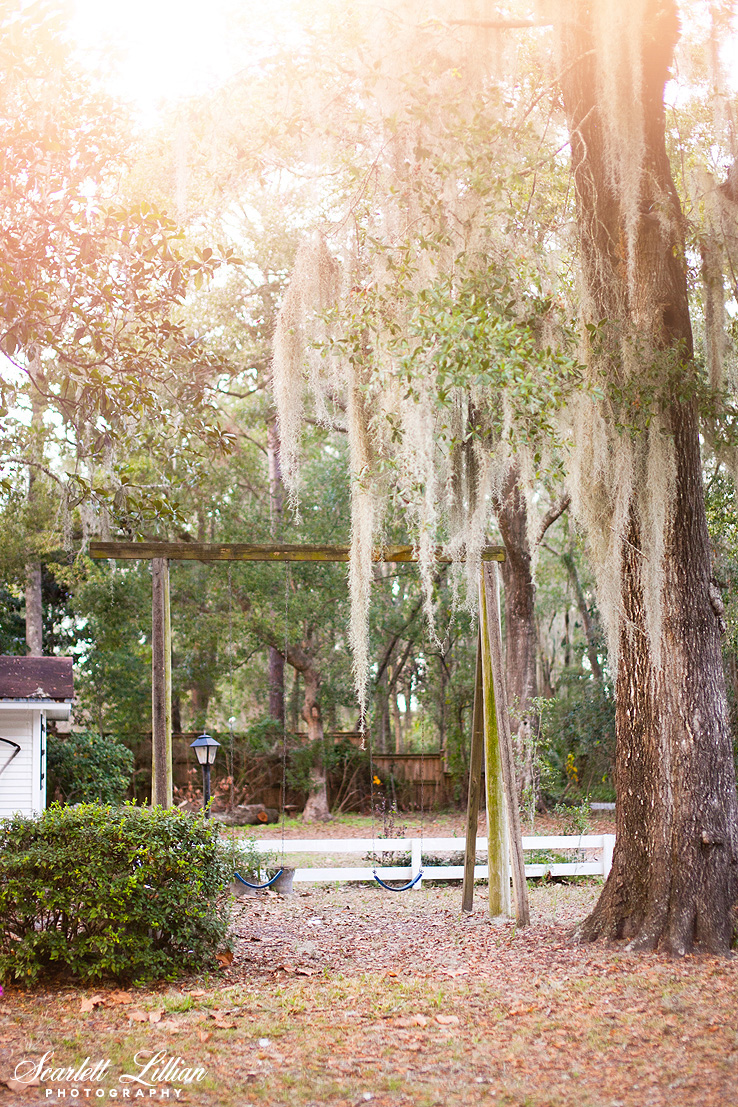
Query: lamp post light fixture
point(206, 749)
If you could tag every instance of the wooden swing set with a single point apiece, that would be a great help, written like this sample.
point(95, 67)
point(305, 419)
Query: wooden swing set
point(491, 737)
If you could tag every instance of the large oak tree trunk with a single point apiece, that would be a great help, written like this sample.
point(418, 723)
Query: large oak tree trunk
point(673, 879)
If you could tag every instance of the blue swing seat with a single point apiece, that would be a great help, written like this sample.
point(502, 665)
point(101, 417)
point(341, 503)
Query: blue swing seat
point(258, 887)
point(402, 888)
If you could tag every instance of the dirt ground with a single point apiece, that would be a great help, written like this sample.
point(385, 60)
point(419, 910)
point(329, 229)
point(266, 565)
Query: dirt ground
point(350, 995)
point(432, 824)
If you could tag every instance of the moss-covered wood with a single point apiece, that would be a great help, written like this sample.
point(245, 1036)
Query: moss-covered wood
point(241, 551)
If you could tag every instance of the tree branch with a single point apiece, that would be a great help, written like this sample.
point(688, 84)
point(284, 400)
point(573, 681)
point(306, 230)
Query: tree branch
point(555, 512)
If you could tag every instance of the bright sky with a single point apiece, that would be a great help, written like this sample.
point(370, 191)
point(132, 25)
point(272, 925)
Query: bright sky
point(157, 50)
point(152, 51)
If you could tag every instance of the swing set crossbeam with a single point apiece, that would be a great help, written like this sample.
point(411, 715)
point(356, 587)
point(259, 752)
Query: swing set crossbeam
point(241, 551)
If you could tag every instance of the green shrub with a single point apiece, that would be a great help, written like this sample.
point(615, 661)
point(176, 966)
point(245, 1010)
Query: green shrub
point(579, 739)
point(127, 893)
point(265, 735)
point(84, 768)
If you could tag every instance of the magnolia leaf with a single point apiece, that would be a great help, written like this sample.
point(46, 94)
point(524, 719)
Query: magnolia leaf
point(90, 1003)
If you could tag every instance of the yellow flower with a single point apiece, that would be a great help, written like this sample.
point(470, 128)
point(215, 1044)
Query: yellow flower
point(376, 780)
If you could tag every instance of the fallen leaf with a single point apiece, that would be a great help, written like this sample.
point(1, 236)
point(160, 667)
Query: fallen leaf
point(155, 1016)
point(224, 959)
point(305, 972)
point(198, 992)
point(204, 1035)
point(137, 1015)
point(223, 1024)
point(118, 997)
point(21, 1085)
point(447, 1020)
point(90, 1003)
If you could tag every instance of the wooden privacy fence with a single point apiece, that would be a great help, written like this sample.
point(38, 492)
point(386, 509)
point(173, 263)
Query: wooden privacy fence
point(413, 779)
point(601, 844)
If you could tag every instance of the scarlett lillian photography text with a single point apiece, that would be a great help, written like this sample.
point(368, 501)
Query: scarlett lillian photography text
point(153, 1069)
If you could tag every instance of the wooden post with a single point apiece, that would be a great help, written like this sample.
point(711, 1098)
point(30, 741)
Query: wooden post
point(491, 585)
point(161, 685)
point(475, 785)
point(498, 846)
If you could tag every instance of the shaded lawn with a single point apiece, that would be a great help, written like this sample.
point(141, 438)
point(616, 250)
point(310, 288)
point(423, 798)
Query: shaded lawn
point(430, 824)
point(352, 995)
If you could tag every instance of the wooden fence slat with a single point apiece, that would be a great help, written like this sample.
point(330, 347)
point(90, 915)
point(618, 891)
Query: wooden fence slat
point(602, 842)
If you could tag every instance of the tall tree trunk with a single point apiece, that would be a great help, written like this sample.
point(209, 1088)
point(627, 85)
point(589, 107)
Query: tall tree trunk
point(34, 593)
point(316, 807)
point(521, 678)
point(589, 631)
point(673, 879)
point(276, 509)
point(397, 719)
point(34, 610)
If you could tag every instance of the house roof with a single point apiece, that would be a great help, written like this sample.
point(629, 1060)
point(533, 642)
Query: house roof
point(36, 678)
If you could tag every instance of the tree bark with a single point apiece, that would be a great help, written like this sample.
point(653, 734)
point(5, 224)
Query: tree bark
point(34, 578)
point(521, 640)
point(316, 808)
point(161, 686)
point(276, 509)
point(34, 610)
point(673, 879)
point(589, 632)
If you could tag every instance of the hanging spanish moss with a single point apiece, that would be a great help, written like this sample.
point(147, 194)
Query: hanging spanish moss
point(313, 289)
point(430, 433)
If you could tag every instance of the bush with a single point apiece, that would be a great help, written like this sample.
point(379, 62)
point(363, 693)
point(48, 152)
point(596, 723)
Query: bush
point(84, 768)
point(127, 893)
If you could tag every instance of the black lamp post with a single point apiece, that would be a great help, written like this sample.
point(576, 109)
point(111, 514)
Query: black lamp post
point(206, 749)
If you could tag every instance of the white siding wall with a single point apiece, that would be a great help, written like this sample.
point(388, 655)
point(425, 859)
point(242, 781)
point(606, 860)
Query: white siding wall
point(19, 782)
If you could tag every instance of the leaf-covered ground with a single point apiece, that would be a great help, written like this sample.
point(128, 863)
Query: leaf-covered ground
point(346, 996)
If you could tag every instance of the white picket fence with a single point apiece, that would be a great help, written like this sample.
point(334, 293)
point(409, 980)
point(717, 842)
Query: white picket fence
point(602, 844)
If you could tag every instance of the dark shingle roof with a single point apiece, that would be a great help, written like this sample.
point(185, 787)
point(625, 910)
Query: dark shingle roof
point(36, 678)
